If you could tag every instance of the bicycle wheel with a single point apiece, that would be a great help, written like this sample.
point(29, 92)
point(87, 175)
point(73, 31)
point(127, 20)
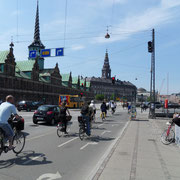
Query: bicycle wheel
point(59, 131)
point(167, 139)
point(81, 133)
point(1, 142)
point(18, 142)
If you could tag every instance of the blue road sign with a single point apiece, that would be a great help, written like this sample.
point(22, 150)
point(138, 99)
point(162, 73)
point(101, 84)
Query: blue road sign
point(59, 51)
point(46, 53)
point(32, 54)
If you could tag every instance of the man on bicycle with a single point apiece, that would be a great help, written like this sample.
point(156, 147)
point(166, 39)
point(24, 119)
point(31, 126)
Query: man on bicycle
point(6, 110)
point(85, 112)
point(92, 107)
point(63, 112)
point(103, 108)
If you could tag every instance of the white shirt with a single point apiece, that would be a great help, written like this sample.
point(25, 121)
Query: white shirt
point(6, 109)
point(112, 105)
point(93, 106)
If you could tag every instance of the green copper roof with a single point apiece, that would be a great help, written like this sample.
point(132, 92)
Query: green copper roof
point(65, 77)
point(25, 65)
point(74, 80)
point(3, 55)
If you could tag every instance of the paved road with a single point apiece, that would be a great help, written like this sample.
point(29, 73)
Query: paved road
point(46, 156)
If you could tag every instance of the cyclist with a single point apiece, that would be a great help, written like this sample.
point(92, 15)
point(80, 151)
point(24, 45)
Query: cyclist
point(92, 105)
point(6, 110)
point(103, 108)
point(85, 112)
point(113, 107)
point(63, 112)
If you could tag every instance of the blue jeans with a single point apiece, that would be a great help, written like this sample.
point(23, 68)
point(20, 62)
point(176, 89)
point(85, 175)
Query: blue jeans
point(7, 129)
point(88, 129)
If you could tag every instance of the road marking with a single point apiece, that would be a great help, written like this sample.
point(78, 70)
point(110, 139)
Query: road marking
point(91, 143)
point(32, 159)
point(68, 142)
point(115, 125)
point(50, 176)
point(36, 137)
point(100, 125)
point(105, 132)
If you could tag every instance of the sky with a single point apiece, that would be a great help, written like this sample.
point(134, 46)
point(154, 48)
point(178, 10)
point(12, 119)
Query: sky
point(80, 27)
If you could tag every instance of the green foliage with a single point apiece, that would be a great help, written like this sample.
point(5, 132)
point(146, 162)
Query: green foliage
point(148, 99)
point(99, 97)
point(112, 96)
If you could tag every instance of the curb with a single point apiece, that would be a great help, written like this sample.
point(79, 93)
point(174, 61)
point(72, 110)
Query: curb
point(98, 169)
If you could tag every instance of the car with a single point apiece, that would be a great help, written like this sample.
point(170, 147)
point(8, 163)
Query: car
point(36, 104)
point(47, 113)
point(173, 105)
point(26, 105)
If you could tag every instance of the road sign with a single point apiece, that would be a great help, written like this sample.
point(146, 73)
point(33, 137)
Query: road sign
point(59, 51)
point(45, 53)
point(32, 54)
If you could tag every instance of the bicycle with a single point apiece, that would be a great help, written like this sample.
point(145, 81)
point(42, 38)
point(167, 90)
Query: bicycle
point(60, 127)
point(18, 139)
point(103, 116)
point(168, 135)
point(82, 128)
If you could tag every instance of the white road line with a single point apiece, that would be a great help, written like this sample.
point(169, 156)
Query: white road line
point(105, 132)
point(34, 158)
point(91, 143)
point(100, 125)
point(115, 125)
point(36, 137)
point(68, 142)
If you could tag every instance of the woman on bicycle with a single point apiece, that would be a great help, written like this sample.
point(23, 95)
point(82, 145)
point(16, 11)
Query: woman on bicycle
point(103, 108)
point(63, 112)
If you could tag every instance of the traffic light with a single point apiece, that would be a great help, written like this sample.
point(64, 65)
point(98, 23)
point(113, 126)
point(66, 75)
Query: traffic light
point(81, 94)
point(150, 47)
point(113, 80)
point(82, 85)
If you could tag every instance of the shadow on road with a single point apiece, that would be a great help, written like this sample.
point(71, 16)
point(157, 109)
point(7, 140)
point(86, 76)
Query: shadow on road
point(140, 120)
point(100, 138)
point(26, 158)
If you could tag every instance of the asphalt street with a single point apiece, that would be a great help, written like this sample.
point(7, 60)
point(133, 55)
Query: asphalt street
point(48, 157)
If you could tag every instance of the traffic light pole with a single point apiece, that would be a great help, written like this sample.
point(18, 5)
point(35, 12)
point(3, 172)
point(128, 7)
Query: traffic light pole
point(152, 83)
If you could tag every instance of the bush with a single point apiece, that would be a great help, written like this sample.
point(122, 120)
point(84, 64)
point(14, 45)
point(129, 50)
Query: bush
point(99, 97)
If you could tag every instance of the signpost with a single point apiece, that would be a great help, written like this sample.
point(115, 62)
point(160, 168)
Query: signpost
point(59, 51)
point(46, 53)
point(32, 54)
point(52, 52)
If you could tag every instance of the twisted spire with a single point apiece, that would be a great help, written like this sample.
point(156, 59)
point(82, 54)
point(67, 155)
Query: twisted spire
point(37, 29)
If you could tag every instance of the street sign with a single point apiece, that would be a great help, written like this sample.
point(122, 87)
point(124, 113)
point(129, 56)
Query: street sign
point(32, 54)
point(45, 53)
point(59, 51)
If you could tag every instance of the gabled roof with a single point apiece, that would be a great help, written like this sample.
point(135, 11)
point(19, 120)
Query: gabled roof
point(3, 55)
point(25, 65)
point(43, 80)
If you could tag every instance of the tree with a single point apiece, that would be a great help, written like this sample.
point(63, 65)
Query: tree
point(112, 97)
point(99, 97)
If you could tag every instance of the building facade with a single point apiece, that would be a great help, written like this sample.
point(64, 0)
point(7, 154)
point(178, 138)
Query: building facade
point(123, 90)
point(29, 80)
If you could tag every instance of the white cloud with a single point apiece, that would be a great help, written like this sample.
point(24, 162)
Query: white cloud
point(149, 19)
point(77, 47)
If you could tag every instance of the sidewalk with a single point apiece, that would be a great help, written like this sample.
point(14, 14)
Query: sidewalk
point(140, 154)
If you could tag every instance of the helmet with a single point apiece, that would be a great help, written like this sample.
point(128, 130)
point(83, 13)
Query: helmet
point(92, 101)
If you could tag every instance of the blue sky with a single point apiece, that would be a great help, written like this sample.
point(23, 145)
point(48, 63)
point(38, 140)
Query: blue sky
point(130, 23)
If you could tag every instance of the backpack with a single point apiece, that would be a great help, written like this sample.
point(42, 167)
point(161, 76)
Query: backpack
point(63, 111)
point(85, 109)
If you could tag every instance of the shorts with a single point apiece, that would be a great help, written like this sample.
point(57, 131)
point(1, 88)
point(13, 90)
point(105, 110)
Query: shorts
point(7, 129)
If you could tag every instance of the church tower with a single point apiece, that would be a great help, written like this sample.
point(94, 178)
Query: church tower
point(106, 70)
point(37, 44)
